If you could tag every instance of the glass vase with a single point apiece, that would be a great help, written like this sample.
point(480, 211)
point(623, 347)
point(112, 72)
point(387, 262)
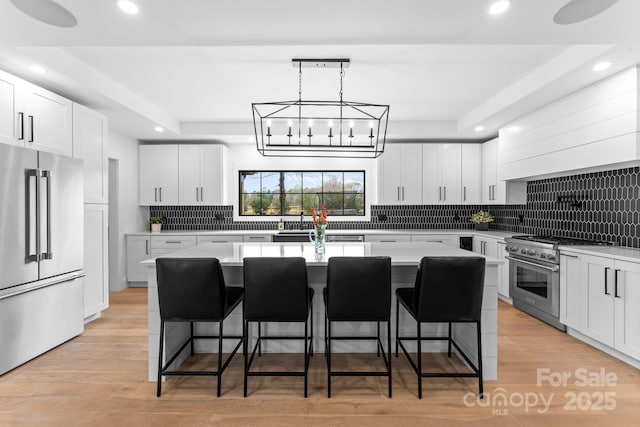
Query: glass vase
point(319, 239)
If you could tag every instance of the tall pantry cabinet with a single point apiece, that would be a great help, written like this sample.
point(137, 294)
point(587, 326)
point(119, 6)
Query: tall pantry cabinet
point(90, 145)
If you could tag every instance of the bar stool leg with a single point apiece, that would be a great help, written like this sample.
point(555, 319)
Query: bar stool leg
point(306, 364)
point(220, 330)
point(246, 355)
point(480, 381)
point(311, 337)
point(389, 352)
point(449, 351)
point(259, 340)
point(328, 358)
point(159, 386)
point(192, 350)
point(419, 361)
point(397, 324)
point(378, 343)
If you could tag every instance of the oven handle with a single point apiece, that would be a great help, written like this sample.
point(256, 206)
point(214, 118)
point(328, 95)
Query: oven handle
point(554, 269)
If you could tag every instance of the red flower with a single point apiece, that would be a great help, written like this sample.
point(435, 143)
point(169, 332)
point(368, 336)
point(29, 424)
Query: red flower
point(318, 217)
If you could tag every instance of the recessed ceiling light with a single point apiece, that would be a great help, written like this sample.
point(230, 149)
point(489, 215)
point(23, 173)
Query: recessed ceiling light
point(499, 7)
point(479, 128)
point(601, 66)
point(158, 129)
point(37, 69)
point(514, 128)
point(128, 7)
point(580, 10)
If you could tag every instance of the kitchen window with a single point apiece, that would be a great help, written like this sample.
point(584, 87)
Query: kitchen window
point(282, 193)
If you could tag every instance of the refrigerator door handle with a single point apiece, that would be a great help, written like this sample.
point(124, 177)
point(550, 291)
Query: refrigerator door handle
point(32, 257)
point(48, 254)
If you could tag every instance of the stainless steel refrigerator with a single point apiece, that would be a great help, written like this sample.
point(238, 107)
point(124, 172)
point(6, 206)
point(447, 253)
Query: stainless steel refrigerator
point(41, 253)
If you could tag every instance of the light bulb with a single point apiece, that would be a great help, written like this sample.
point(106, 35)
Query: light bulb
point(351, 124)
point(310, 123)
point(128, 7)
point(289, 123)
point(371, 124)
point(330, 123)
point(499, 7)
point(269, 123)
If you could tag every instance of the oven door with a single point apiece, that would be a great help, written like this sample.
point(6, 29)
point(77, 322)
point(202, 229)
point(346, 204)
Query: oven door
point(536, 284)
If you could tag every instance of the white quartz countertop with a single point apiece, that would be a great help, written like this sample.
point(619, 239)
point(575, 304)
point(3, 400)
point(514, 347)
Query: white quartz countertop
point(402, 254)
point(493, 234)
point(617, 252)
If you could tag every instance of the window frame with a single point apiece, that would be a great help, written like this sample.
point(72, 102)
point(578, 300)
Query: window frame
point(347, 217)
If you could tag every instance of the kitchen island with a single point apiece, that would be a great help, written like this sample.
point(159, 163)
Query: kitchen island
point(404, 260)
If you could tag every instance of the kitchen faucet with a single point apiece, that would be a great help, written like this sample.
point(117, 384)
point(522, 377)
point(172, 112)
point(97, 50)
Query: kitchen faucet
point(301, 219)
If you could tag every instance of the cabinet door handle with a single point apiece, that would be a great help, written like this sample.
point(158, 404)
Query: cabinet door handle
point(146, 246)
point(202, 194)
point(403, 193)
point(606, 281)
point(160, 193)
point(21, 126)
point(31, 127)
point(464, 194)
point(197, 194)
point(398, 197)
point(615, 283)
point(155, 194)
point(439, 193)
point(445, 194)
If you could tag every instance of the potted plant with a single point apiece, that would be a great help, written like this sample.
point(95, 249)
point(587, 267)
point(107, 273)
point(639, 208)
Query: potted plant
point(156, 223)
point(482, 220)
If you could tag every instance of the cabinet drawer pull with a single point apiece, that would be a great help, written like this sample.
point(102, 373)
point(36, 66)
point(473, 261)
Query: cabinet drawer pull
point(606, 281)
point(173, 241)
point(569, 256)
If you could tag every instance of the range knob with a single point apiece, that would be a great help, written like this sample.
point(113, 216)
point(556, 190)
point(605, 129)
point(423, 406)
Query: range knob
point(531, 252)
point(523, 251)
point(551, 257)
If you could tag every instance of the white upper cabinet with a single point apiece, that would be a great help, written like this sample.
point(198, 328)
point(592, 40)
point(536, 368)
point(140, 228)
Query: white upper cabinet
point(400, 174)
point(9, 114)
point(471, 173)
point(489, 171)
point(90, 145)
point(47, 121)
point(201, 174)
point(159, 175)
point(33, 117)
point(441, 173)
point(494, 190)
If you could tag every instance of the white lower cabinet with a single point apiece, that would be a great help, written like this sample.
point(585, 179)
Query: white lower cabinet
point(494, 248)
point(96, 259)
point(138, 250)
point(387, 238)
point(611, 297)
point(446, 239)
point(570, 290)
point(219, 238)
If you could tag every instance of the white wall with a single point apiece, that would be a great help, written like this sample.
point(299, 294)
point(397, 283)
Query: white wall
point(132, 218)
point(246, 157)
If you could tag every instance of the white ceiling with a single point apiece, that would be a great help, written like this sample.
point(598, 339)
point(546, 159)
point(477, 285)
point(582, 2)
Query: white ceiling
point(195, 66)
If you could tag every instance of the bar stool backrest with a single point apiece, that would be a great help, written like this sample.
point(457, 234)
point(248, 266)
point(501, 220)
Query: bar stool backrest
point(275, 289)
point(449, 289)
point(190, 288)
point(359, 288)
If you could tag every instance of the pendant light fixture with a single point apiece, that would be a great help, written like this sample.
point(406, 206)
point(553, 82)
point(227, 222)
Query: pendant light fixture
point(305, 128)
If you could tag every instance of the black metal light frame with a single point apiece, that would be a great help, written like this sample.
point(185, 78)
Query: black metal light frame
point(346, 115)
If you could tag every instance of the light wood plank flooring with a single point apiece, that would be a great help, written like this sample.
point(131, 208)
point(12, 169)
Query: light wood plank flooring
point(99, 379)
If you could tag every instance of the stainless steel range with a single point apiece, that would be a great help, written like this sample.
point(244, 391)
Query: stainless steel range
point(534, 274)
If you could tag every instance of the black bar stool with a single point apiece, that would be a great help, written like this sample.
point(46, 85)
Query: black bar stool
point(277, 290)
point(358, 290)
point(193, 290)
point(447, 290)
